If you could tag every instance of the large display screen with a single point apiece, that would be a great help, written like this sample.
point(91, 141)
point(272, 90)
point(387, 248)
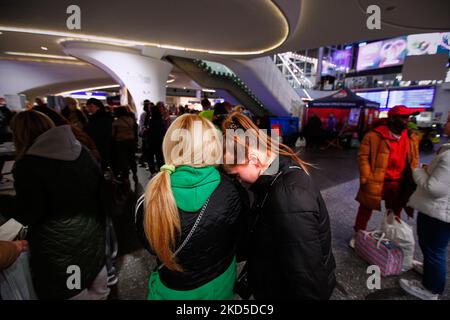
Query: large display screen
point(380, 96)
point(340, 61)
point(412, 98)
point(381, 54)
point(444, 43)
point(392, 52)
point(424, 43)
point(428, 43)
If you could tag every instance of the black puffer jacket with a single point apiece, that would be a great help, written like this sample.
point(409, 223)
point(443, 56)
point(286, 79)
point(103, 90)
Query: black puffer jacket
point(213, 245)
point(290, 253)
point(57, 187)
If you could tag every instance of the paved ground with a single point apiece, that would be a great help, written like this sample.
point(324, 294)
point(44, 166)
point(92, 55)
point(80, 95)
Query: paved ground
point(337, 177)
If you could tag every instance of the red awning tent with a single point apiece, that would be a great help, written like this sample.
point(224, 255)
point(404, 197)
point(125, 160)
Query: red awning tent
point(348, 108)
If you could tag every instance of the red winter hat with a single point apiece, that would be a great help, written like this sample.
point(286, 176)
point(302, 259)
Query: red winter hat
point(402, 111)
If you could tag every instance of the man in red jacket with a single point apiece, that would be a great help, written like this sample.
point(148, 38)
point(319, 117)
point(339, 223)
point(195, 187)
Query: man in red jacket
point(386, 158)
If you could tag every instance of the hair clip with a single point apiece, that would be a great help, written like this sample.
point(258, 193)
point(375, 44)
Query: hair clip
point(168, 168)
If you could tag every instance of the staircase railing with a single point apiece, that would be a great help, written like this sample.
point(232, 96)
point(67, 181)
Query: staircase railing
point(218, 70)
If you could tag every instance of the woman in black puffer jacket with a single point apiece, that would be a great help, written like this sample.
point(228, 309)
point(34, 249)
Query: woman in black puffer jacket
point(289, 252)
point(191, 188)
point(57, 185)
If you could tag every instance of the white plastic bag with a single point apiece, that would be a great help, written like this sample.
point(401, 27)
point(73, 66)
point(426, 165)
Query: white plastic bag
point(399, 231)
point(300, 143)
point(15, 281)
point(10, 230)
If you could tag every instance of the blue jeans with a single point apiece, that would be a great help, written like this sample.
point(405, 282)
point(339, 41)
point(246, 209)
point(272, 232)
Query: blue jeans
point(434, 236)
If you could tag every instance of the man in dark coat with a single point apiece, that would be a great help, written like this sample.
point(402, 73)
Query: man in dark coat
point(5, 118)
point(99, 128)
point(314, 132)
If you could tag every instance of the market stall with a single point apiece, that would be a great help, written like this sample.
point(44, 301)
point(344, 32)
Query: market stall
point(351, 111)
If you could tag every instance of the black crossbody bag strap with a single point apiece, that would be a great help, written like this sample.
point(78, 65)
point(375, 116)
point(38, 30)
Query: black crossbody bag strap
point(141, 201)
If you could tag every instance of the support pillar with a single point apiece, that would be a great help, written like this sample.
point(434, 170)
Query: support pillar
point(145, 77)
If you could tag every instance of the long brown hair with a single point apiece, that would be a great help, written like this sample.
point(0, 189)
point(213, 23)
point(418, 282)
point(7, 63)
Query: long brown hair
point(237, 120)
point(26, 127)
point(161, 218)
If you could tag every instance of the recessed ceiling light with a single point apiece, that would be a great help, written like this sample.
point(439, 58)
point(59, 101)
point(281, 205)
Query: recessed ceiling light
point(1, 32)
point(39, 55)
point(44, 48)
point(88, 89)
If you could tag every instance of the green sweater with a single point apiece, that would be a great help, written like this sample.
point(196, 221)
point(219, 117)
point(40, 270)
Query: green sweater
point(191, 187)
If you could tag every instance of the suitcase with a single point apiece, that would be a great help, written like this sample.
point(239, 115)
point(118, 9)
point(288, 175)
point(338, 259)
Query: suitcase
point(375, 249)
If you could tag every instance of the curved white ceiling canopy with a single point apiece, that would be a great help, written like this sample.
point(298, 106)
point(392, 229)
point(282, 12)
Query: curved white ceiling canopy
point(225, 27)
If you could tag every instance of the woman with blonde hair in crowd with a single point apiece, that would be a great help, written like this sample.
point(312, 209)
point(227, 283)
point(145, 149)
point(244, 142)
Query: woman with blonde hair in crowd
point(57, 184)
point(289, 252)
point(190, 215)
point(73, 114)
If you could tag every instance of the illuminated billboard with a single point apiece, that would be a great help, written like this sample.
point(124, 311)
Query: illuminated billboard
point(412, 97)
point(381, 54)
point(428, 43)
point(380, 96)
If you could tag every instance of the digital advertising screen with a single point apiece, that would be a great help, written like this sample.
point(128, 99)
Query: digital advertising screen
point(428, 43)
point(381, 54)
point(380, 96)
point(412, 98)
point(340, 60)
point(424, 43)
point(444, 43)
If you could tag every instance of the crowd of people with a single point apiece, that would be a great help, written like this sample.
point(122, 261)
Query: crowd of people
point(205, 210)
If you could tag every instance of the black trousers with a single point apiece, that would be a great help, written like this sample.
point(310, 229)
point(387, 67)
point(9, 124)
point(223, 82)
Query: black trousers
point(125, 157)
point(155, 153)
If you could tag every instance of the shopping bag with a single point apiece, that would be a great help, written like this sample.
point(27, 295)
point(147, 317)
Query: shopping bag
point(15, 281)
point(376, 249)
point(399, 231)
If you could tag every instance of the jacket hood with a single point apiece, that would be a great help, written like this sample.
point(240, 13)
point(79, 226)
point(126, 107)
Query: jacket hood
point(58, 143)
point(192, 186)
point(384, 131)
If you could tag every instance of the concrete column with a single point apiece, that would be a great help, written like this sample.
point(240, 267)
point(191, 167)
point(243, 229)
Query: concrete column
point(319, 65)
point(144, 77)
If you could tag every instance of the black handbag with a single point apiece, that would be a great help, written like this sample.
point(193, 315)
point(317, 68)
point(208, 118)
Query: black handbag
point(117, 196)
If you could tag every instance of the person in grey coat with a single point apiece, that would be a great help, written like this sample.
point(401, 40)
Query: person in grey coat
point(432, 200)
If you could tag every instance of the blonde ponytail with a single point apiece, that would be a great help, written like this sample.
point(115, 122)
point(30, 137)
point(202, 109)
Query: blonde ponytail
point(162, 224)
point(161, 220)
